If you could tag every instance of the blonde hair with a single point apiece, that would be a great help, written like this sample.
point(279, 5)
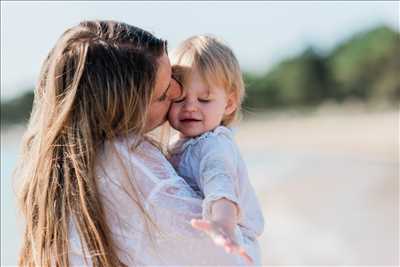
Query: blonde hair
point(96, 84)
point(215, 62)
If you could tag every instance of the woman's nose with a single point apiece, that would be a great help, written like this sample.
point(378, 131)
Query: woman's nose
point(176, 90)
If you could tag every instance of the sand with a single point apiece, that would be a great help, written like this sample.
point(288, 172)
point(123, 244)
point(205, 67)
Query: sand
point(328, 184)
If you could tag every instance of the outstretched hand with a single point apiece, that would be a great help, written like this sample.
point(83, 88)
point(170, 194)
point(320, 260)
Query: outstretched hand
point(221, 237)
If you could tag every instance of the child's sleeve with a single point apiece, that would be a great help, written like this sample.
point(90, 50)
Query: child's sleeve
point(218, 171)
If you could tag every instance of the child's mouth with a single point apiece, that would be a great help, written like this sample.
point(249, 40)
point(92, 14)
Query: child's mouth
point(189, 120)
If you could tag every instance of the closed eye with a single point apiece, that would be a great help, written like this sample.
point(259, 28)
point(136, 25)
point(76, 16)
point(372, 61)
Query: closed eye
point(179, 100)
point(201, 100)
point(163, 97)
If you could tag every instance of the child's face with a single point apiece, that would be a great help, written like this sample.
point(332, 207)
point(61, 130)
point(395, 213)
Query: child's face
point(200, 109)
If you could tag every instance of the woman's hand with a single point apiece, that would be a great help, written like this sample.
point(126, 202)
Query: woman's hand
point(221, 237)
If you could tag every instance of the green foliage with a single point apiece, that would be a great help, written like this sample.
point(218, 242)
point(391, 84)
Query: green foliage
point(302, 80)
point(364, 67)
point(357, 64)
point(17, 110)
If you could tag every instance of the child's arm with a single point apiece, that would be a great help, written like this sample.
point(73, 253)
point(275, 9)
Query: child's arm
point(225, 213)
point(219, 183)
point(218, 180)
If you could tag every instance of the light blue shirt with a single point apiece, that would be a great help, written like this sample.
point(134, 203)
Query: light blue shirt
point(211, 163)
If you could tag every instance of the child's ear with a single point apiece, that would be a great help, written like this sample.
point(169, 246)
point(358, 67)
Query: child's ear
point(231, 104)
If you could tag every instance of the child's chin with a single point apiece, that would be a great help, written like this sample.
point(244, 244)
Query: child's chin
point(191, 134)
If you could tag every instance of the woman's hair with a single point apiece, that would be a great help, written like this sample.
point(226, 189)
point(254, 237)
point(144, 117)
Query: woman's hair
point(215, 62)
point(95, 84)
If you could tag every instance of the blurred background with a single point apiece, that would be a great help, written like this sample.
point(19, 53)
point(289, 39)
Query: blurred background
point(321, 117)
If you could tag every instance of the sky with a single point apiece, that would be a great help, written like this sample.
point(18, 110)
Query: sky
point(261, 33)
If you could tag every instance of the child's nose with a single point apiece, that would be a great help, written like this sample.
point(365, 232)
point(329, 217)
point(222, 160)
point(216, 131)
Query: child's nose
point(189, 105)
point(176, 90)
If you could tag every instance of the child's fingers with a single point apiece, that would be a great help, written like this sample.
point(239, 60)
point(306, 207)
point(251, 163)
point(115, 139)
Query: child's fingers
point(201, 224)
point(235, 248)
point(229, 245)
point(210, 229)
point(219, 240)
point(246, 256)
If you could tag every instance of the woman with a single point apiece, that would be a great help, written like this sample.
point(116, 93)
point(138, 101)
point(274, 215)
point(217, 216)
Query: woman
point(96, 190)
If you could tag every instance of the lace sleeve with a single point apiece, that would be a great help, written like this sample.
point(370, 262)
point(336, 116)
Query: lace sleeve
point(218, 175)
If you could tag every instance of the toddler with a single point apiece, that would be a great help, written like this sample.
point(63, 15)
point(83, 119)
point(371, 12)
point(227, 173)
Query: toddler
point(205, 153)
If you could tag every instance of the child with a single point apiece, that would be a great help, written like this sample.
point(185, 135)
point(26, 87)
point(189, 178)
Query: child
point(206, 154)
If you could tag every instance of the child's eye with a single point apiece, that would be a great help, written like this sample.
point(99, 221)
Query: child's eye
point(179, 100)
point(204, 100)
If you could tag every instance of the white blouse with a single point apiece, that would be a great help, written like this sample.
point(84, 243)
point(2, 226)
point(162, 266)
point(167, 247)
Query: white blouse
point(168, 199)
point(211, 163)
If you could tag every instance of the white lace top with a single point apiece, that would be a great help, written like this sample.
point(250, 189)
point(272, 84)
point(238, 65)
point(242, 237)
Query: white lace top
point(168, 199)
point(211, 163)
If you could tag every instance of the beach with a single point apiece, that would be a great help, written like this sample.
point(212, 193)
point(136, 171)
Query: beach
point(328, 183)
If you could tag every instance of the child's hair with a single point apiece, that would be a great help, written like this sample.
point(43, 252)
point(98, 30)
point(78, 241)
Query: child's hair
point(96, 84)
point(215, 62)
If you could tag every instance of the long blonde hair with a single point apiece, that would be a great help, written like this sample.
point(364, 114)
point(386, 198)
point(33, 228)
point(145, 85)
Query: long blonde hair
point(96, 84)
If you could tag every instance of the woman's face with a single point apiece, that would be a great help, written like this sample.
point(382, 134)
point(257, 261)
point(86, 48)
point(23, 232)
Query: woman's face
point(166, 90)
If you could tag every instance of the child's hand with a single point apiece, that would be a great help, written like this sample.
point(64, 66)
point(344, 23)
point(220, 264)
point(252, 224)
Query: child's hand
point(222, 236)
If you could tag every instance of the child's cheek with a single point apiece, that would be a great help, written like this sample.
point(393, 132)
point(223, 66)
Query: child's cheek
point(172, 113)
